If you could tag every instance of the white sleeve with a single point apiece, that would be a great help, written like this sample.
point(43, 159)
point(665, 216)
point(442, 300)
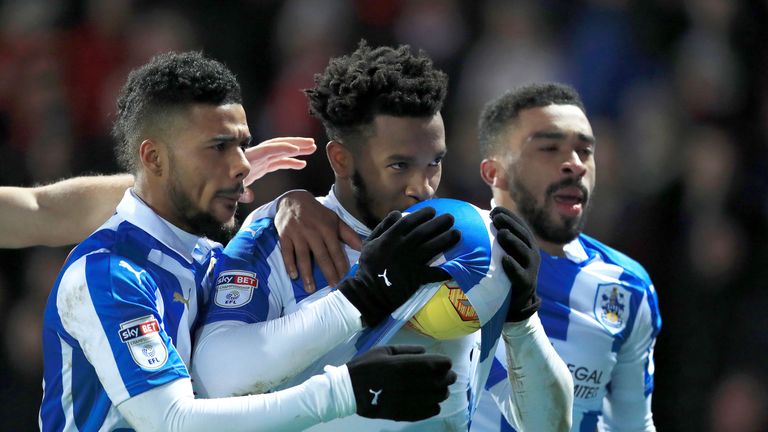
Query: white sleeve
point(234, 358)
point(267, 210)
point(627, 406)
point(172, 407)
point(541, 390)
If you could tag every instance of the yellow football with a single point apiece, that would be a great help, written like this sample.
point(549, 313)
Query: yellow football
point(447, 315)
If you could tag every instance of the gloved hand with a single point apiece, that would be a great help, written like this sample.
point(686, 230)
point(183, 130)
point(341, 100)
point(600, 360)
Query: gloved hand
point(393, 262)
point(400, 382)
point(521, 264)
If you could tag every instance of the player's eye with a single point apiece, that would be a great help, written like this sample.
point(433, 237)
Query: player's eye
point(246, 144)
point(399, 166)
point(549, 148)
point(586, 151)
point(219, 147)
point(436, 162)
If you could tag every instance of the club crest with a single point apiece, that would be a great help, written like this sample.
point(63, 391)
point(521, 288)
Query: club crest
point(612, 307)
point(234, 288)
point(142, 335)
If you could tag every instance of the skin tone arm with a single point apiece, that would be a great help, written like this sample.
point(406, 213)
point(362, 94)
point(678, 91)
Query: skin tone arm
point(67, 211)
point(60, 213)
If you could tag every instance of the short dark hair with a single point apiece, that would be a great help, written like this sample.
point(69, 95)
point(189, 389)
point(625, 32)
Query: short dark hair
point(169, 81)
point(372, 81)
point(500, 113)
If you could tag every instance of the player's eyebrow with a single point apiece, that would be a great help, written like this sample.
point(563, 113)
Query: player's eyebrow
point(229, 138)
point(559, 135)
point(406, 158)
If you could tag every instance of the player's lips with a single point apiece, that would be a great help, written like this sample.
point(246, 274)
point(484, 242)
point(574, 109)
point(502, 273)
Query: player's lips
point(569, 200)
point(231, 197)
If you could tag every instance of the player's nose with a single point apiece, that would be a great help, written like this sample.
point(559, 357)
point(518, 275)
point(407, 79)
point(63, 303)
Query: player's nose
point(239, 165)
point(420, 188)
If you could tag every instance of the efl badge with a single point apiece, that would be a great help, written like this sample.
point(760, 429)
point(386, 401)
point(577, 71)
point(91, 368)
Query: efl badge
point(234, 288)
point(144, 342)
point(612, 307)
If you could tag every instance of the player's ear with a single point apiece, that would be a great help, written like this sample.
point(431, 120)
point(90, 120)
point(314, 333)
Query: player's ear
point(341, 159)
point(151, 155)
point(493, 174)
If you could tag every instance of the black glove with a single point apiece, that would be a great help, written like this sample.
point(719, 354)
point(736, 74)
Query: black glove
point(393, 263)
point(400, 382)
point(521, 264)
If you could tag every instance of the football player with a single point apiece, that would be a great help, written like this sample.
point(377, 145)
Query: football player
point(598, 306)
point(381, 110)
point(117, 329)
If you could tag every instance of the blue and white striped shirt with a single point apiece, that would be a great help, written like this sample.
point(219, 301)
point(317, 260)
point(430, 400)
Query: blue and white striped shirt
point(600, 311)
point(120, 317)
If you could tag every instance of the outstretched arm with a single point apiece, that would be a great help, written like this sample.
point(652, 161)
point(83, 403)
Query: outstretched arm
point(67, 211)
point(60, 213)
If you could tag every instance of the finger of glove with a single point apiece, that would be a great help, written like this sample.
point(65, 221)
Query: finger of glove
point(514, 272)
point(403, 411)
point(428, 274)
point(515, 247)
point(399, 350)
point(410, 222)
point(514, 224)
point(422, 365)
point(427, 230)
point(419, 410)
point(424, 252)
point(384, 225)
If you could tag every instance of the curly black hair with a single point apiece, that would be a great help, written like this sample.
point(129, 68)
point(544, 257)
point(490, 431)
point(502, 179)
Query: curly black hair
point(371, 81)
point(168, 82)
point(500, 113)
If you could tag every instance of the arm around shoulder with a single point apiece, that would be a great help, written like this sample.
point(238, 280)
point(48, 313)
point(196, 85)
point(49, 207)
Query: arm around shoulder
point(60, 213)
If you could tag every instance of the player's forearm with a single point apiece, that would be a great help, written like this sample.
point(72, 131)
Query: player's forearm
point(173, 407)
point(235, 358)
point(542, 387)
point(60, 213)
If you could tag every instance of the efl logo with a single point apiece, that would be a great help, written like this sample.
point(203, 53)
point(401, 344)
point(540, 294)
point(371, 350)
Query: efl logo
point(142, 336)
point(234, 288)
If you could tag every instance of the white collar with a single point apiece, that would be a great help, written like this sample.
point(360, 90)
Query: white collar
point(332, 202)
point(192, 247)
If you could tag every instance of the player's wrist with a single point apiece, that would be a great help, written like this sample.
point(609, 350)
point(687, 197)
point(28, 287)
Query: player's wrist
point(358, 293)
point(519, 313)
point(342, 393)
point(351, 315)
point(518, 329)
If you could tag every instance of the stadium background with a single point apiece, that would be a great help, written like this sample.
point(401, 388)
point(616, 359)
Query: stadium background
point(675, 90)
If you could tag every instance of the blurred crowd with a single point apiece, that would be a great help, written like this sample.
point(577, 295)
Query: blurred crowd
point(676, 90)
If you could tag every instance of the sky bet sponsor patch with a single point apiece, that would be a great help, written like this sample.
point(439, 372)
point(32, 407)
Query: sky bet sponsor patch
point(144, 342)
point(234, 288)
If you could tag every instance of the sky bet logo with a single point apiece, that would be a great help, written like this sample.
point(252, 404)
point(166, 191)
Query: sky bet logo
point(139, 330)
point(239, 279)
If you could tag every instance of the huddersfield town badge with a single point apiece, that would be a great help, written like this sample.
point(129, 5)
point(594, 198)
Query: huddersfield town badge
point(235, 288)
point(612, 307)
point(142, 335)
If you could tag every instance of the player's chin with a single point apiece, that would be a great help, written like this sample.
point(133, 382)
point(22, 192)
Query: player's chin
point(224, 211)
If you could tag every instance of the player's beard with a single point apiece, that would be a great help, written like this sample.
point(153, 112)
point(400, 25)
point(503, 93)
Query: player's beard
point(199, 222)
point(363, 201)
point(538, 217)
